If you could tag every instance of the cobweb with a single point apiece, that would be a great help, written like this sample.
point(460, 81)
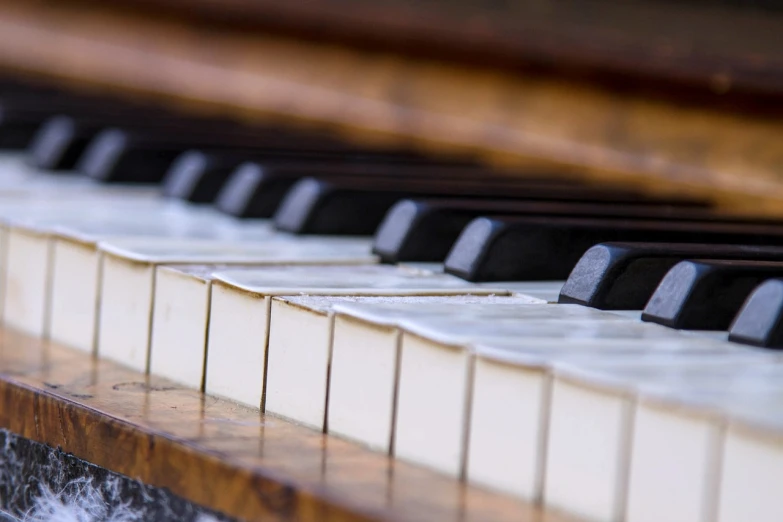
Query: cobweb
point(41, 484)
point(81, 501)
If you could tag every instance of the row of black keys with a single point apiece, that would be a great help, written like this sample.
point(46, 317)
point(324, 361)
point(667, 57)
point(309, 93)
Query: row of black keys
point(484, 226)
point(687, 286)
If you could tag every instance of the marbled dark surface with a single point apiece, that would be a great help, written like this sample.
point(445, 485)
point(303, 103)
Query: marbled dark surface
point(35, 479)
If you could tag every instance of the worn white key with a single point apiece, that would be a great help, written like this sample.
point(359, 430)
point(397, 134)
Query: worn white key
point(236, 357)
point(127, 278)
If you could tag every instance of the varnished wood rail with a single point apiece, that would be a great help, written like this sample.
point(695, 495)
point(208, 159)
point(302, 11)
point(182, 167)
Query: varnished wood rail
point(220, 455)
point(507, 117)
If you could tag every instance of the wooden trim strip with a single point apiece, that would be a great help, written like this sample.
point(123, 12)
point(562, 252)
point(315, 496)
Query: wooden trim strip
point(217, 454)
point(540, 122)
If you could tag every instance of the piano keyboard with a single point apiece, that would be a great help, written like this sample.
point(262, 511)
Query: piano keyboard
point(409, 304)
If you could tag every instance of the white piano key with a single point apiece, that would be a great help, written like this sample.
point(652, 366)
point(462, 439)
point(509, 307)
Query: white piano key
point(236, 360)
point(594, 463)
point(431, 420)
point(673, 464)
point(26, 280)
point(127, 281)
point(751, 474)
point(301, 348)
point(364, 357)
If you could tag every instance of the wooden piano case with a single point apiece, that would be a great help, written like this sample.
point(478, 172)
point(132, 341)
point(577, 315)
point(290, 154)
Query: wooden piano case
point(670, 96)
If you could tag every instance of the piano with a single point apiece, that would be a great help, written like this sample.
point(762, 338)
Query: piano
point(340, 260)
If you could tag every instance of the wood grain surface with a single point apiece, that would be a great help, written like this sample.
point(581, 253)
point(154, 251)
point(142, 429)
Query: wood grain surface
point(542, 122)
point(723, 44)
point(218, 454)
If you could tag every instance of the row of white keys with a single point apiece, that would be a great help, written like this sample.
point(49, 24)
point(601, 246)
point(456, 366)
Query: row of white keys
point(432, 422)
point(300, 355)
point(519, 373)
point(182, 301)
point(478, 362)
point(666, 419)
point(128, 278)
point(364, 330)
point(77, 263)
point(47, 250)
point(240, 312)
point(598, 412)
point(26, 248)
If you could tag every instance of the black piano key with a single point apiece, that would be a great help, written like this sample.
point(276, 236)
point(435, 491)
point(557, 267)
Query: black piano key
point(62, 139)
point(424, 230)
point(23, 115)
point(315, 206)
point(417, 230)
point(760, 320)
point(538, 249)
point(252, 192)
point(114, 156)
point(144, 155)
point(198, 176)
point(59, 143)
point(623, 276)
point(706, 294)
